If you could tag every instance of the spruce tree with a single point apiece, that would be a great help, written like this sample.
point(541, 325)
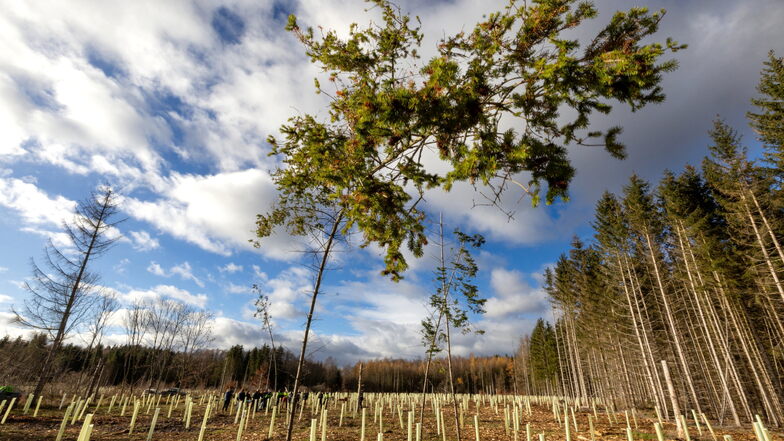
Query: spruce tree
point(768, 120)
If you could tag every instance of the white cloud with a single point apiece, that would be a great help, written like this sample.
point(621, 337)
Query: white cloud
point(215, 212)
point(288, 292)
point(132, 295)
point(17, 283)
point(230, 268)
point(237, 289)
point(142, 241)
point(344, 349)
point(156, 269)
point(58, 238)
point(9, 327)
point(513, 295)
point(185, 272)
point(121, 266)
point(3, 269)
point(259, 274)
point(33, 205)
point(6, 299)
point(182, 295)
point(54, 95)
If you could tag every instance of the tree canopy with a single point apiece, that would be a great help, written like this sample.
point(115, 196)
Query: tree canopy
point(499, 102)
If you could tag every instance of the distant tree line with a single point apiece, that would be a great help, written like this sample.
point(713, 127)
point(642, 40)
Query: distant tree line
point(137, 367)
point(241, 368)
point(494, 374)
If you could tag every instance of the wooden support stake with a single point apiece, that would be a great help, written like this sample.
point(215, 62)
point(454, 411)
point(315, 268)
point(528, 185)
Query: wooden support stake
point(686, 428)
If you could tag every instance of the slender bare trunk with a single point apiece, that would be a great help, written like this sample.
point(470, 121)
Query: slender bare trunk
point(316, 289)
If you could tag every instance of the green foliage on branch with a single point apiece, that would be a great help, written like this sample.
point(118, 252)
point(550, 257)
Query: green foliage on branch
point(499, 102)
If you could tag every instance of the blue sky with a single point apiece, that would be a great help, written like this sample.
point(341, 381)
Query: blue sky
point(171, 102)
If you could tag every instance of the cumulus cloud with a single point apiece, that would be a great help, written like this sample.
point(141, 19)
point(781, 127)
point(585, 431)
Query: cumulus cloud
point(513, 295)
point(287, 292)
point(343, 349)
point(156, 269)
point(183, 270)
point(182, 295)
point(142, 241)
point(215, 212)
point(121, 266)
point(33, 205)
point(231, 288)
point(134, 295)
point(9, 327)
point(230, 268)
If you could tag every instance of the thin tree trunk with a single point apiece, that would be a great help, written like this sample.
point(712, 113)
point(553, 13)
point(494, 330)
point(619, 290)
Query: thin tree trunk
point(359, 389)
point(445, 288)
point(46, 366)
point(301, 362)
point(764, 250)
point(644, 354)
point(676, 410)
point(671, 322)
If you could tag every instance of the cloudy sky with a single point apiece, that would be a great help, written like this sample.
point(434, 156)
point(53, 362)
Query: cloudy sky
point(172, 101)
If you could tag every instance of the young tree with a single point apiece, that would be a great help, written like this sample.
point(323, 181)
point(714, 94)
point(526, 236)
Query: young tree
point(63, 292)
point(306, 211)
point(263, 311)
point(455, 298)
point(543, 359)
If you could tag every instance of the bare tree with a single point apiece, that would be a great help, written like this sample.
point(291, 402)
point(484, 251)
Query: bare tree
point(134, 322)
point(62, 293)
point(196, 334)
point(456, 296)
point(165, 320)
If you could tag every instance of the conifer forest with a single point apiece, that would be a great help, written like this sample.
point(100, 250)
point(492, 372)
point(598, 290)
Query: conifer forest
point(521, 220)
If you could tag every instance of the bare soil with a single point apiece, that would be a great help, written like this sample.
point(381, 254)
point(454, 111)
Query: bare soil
point(221, 427)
